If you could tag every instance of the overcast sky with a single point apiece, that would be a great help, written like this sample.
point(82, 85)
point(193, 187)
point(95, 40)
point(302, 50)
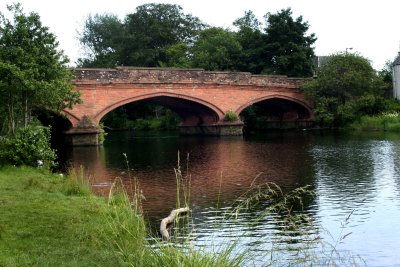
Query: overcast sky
point(370, 27)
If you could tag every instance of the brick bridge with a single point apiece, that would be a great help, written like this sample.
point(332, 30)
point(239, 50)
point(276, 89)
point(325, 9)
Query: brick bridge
point(201, 98)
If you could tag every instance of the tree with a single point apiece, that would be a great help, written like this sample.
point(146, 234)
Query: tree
point(178, 56)
point(288, 48)
point(386, 74)
point(142, 39)
point(346, 87)
point(33, 73)
point(102, 40)
point(216, 49)
point(251, 39)
point(155, 27)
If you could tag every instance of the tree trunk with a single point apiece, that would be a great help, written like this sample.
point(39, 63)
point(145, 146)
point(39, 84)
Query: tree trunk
point(11, 118)
point(26, 110)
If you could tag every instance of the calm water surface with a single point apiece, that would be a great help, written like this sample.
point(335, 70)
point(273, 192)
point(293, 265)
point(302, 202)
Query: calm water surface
point(355, 178)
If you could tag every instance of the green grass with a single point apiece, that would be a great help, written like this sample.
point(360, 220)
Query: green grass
point(50, 220)
point(43, 223)
point(382, 122)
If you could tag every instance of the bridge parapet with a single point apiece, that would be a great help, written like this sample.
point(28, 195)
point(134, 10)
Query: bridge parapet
point(133, 75)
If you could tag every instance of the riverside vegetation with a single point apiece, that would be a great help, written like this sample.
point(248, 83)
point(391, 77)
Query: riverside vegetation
point(53, 220)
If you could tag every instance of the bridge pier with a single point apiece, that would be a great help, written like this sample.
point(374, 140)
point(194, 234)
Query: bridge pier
point(220, 129)
point(82, 137)
point(85, 133)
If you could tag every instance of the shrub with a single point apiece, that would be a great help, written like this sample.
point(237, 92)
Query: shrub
point(30, 146)
point(141, 124)
point(230, 116)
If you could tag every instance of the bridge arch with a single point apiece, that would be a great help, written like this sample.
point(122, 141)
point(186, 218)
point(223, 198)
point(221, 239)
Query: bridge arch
point(192, 110)
point(282, 108)
point(74, 120)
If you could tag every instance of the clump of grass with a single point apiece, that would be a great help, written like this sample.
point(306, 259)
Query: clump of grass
point(76, 183)
point(230, 116)
point(124, 228)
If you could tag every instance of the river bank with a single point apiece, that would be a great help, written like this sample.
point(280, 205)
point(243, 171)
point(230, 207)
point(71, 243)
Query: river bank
point(50, 220)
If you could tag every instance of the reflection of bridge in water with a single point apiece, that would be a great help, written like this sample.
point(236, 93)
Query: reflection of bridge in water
point(200, 98)
point(220, 168)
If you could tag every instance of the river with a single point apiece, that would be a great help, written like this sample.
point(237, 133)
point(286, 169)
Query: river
point(354, 208)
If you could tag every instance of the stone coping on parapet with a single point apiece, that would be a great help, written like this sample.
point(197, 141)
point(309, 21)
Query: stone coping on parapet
point(139, 75)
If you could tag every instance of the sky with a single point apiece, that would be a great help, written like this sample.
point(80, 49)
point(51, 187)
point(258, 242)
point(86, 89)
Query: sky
point(369, 28)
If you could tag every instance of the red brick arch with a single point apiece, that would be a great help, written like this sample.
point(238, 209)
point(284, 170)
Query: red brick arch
point(218, 112)
point(71, 117)
point(302, 103)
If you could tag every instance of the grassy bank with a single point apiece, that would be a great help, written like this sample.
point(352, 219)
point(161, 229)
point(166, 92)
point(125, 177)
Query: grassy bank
point(46, 222)
point(382, 122)
point(49, 220)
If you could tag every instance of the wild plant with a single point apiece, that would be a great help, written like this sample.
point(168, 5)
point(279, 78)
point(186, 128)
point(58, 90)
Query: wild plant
point(76, 182)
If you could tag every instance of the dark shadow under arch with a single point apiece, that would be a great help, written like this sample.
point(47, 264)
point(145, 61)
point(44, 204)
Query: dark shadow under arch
point(59, 124)
point(192, 112)
point(276, 112)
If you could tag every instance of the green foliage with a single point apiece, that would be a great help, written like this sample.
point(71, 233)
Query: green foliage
point(178, 56)
point(142, 39)
point(288, 49)
point(161, 35)
point(386, 75)
point(251, 39)
point(76, 183)
point(255, 118)
point(101, 39)
point(161, 123)
point(216, 49)
point(230, 116)
point(346, 76)
point(392, 105)
point(102, 134)
point(381, 122)
point(33, 72)
point(30, 146)
point(141, 116)
point(346, 88)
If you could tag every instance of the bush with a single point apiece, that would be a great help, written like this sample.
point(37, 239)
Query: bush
point(230, 116)
point(141, 124)
point(30, 146)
